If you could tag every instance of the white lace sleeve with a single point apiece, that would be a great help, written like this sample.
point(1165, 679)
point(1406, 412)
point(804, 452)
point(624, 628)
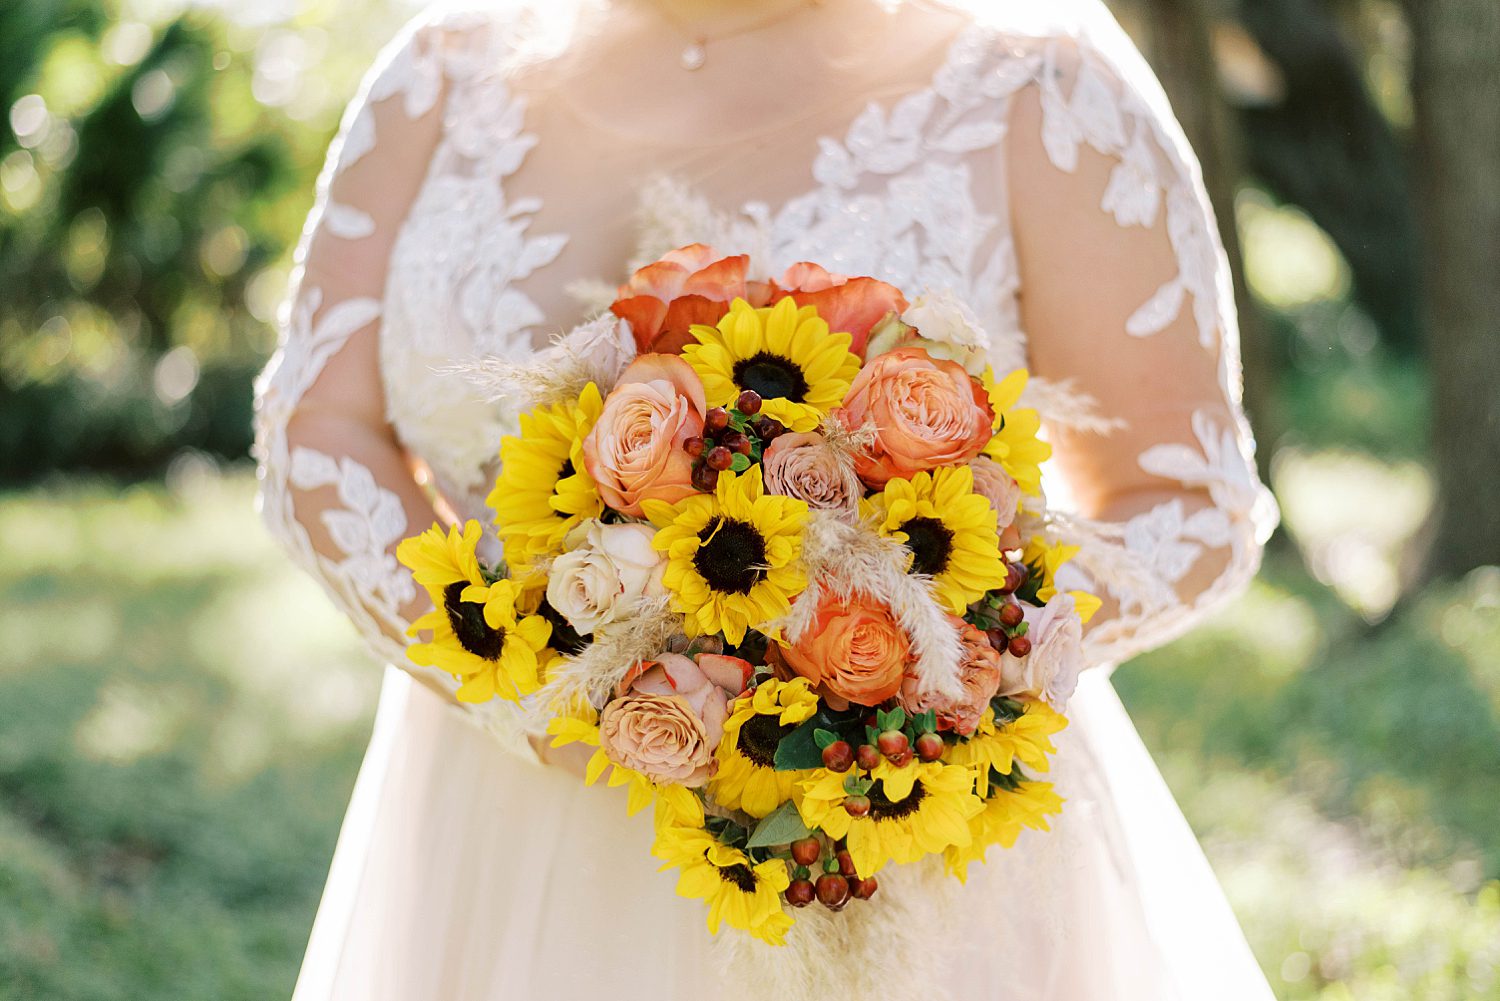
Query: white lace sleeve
point(1125, 292)
point(336, 489)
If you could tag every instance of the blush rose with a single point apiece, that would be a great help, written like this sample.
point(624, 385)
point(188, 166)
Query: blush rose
point(634, 453)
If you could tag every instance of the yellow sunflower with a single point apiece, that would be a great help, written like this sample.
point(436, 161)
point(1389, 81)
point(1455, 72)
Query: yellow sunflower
point(783, 352)
point(747, 778)
point(932, 817)
point(951, 532)
point(1005, 814)
point(740, 892)
point(998, 747)
point(732, 555)
point(1016, 445)
point(543, 490)
point(581, 726)
point(478, 634)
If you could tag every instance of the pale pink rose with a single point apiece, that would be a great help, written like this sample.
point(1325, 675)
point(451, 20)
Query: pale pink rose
point(612, 566)
point(669, 716)
point(979, 674)
point(995, 485)
point(634, 453)
point(927, 413)
point(801, 465)
point(1050, 671)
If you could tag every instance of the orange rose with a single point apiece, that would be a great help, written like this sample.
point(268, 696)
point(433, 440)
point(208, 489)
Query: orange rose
point(634, 453)
point(927, 413)
point(854, 650)
point(849, 305)
point(979, 674)
point(690, 285)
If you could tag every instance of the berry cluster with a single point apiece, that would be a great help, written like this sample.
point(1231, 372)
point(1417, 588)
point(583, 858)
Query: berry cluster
point(732, 439)
point(836, 885)
point(999, 613)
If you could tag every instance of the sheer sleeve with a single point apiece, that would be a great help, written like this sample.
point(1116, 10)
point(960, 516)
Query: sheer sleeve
point(337, 489)
point(1125, 297)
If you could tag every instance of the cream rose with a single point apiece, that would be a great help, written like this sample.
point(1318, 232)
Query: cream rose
point(801, 465)
point(1050, 672)
point(613, 566)
point(634, 453)
point(948, 328)
point(928, 412)
point(979, 674)
point(669, 716)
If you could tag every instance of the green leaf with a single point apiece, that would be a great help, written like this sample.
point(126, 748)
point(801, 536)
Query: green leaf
point(739, 463)
point(823, 738)
point(779, 828)
point(799, 749)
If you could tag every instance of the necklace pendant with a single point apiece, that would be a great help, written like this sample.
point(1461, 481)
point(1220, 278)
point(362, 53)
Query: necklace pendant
point(693, 57)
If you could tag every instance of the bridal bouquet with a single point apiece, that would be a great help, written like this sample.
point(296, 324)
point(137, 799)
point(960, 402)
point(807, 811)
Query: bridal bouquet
point(775, 550)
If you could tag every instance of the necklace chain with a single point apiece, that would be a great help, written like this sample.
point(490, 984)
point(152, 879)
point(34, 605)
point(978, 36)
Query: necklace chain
point(695, 55)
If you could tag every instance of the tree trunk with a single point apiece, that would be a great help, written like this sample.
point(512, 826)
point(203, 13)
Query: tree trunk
point(1456, 86)
point(1181, 51)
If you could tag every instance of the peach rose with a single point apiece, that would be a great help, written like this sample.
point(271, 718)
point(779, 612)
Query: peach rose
point(979, 674)
point(849, 305)
point(1050, 671)
point(927, 413)
point(690, 285)
point(668, 716)
point(801, 465)
point(634, 452)
point(855, 650)
point(995, 485)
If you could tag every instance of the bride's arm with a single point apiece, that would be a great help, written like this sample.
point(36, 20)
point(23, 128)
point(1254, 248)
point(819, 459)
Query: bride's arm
point(337, 490)
point(1125, 293)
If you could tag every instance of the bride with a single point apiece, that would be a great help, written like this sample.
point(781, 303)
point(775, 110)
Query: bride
point(502, 166)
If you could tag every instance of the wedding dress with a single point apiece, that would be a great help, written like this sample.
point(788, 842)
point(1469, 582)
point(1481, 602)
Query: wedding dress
point(485, 181)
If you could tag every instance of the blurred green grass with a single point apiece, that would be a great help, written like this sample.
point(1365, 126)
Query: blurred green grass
point(182, 715)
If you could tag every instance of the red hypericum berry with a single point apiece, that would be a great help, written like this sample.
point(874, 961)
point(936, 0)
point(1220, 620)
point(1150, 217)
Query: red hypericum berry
point(833, 891)
point(693, 447)
point(846, 864)
point(1016, 575)
point(892, 742)
point(864, 889)
point(838, 756)
point(929, 747)
point(748, 403)
point(807, 851)
point(705, 479)
point(857, 806)
point(867, 757)
point(998, 639)
point(1011, 615)
point(719, 458)
point(903, 759)
point(716, 419)
point(801, 892)
point(735, 442)
point(770, 429)
point(1020, 646)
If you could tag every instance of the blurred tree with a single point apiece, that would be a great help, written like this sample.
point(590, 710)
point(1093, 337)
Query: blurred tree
point(1324, 145)
point(1456, 88)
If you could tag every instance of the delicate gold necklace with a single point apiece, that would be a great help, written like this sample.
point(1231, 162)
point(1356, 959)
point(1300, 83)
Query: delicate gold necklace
point(695, 55)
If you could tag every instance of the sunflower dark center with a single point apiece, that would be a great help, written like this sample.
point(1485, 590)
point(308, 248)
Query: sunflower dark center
point(760, 736)
point(565, 639)
point(772, 376)
point(732, 556)
point(883, 809)
point(467, 619)
point(740, 876)
point(566, 470)
point(931, 545)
